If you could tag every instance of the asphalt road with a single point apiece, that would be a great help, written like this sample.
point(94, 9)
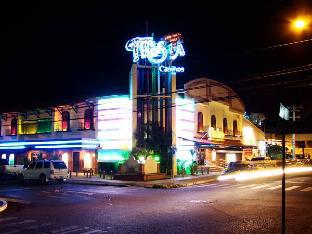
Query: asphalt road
point(220, 207)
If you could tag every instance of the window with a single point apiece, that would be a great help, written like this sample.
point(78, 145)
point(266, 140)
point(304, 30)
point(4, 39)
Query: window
point(235, 128)
point(32, 165)
point(14, 126)
point(39, 165)
point(200, 122)
point(59, 165)
point(65, 121)
point(309, 144)
point(46, 164)
point(300, 144)
point(213, 122)
point(88, 119)
point(225, 127)
point(0, 127)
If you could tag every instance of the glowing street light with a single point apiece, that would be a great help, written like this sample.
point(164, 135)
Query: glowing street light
point(301, 24)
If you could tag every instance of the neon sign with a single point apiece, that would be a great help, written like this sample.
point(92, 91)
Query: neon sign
point(155, 52)
point(171, 69)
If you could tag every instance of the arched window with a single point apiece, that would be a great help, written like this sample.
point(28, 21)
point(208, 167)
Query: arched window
point(65, 121)
point(235, 128)
point(200, 122)
point(14, 126)
point(213, 122)
point(225, 127)
point(88, 119)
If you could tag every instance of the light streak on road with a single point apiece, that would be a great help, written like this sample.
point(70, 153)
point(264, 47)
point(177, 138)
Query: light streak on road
point(248, 175)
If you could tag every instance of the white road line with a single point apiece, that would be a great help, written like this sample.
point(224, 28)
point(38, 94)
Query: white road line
point(247, 186)
point(15, 200)
point(18, 223)
point(203, 185)
point(79, 192)
point(275, 187)
point(51, 196)
point(221, 185)
point(7, 219)
point(75, 230)
point(92, 231)
point(306, 189)
point(260, 186)
point(64, 229)
point(291, 188)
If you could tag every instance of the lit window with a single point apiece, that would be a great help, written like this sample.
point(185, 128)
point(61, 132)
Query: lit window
point(235, 132)
point(14, 126)
point(88, 119)
point(213, 122)
point(65, 121)
point(225, 127)
point(200, 122)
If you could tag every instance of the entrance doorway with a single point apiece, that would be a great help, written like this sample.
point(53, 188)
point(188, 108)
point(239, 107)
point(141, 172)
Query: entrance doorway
point(76, 157)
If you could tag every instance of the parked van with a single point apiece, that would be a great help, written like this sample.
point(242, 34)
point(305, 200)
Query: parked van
point(45, 171)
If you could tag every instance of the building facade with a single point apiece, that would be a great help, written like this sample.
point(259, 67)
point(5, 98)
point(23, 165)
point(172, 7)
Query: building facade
point(222, 134)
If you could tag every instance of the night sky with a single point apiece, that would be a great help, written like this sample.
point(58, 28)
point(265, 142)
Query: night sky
point(58, 52)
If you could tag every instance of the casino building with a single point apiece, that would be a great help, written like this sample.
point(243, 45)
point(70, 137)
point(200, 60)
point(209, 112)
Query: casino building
point(204, 123)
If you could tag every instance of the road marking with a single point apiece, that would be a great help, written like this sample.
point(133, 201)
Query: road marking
point(75, 230)
point(18, 223)
point(79, 192)
point(64, 229)
point(92, 231)
point(221, 185)
point(275, 187)
point(203, 185)
point(51, 196)
point(306, 189)
point(260, 186)
point(293, 182)
point(15, 200)
point(7, 219)
point(247, 186)
point(291, 188)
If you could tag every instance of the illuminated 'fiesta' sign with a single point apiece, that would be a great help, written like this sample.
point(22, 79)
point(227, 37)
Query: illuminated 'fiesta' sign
point(167, 49)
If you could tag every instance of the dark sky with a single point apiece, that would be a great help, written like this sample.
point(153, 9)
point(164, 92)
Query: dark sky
point(55, 52)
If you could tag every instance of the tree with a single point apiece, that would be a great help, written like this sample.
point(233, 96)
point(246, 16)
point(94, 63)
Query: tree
point(275, 152)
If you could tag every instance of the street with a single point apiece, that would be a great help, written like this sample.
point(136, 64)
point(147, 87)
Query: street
point(220, 207)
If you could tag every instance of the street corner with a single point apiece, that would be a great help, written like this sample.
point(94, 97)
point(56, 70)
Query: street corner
point(3, 205)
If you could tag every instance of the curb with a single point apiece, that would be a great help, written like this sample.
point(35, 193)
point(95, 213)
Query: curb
point(3, 205)
point(184, 183)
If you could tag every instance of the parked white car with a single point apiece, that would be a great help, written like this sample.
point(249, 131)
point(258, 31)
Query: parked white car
point(9, 170)
point(45, 171)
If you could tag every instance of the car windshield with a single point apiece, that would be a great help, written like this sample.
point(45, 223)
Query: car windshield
point(59, 165)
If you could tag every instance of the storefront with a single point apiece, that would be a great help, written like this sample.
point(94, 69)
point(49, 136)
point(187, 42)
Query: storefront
point(78, 154)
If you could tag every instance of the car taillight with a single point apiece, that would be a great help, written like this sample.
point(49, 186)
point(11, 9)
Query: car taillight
point(52, 171)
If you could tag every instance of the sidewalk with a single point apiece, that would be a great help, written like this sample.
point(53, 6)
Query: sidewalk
point(179, 181)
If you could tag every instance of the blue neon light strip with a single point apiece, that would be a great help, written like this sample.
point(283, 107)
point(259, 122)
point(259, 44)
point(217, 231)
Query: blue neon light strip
point(65, 146)
point(13, 144)
point(13, 147)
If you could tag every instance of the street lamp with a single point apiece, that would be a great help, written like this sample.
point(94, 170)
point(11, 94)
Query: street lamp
point(300, 24)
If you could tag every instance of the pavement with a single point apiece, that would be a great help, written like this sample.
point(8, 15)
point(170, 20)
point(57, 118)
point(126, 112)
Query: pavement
point(177, 181)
